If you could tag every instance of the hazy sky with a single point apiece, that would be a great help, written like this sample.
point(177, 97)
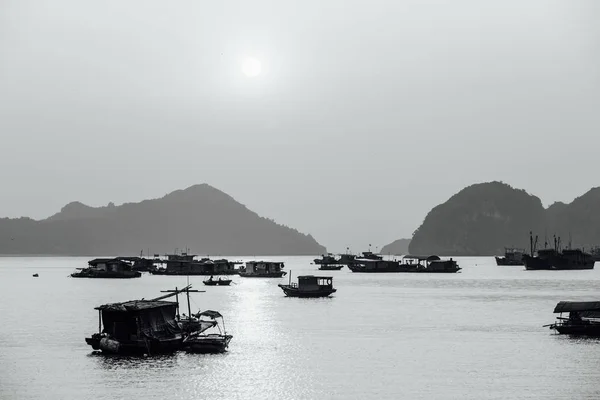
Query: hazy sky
point(366, 113)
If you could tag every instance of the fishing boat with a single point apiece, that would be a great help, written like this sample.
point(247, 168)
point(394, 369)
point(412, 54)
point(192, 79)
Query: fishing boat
point(374, 266)
point(208, 343)
point(262, 269)
point(326, 259)
point(428, 264)
point(146, 326)
point(309, 286)
point(583, 319)
point(512, 256)
point(36, 275)
point(114, 268)
point(217, 282)
point(556, 258)
point(186, 264)
point(138, 327)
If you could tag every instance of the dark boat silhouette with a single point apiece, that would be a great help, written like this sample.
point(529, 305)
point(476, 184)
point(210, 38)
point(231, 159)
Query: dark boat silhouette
point(309, 286)
point(512, 256)
point(583, 320)
point(556, 259)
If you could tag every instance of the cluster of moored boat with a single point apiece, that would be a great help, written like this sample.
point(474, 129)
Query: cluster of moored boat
point(372, 263)
point(555, 258)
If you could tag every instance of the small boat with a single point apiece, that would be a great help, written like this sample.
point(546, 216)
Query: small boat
point(262, 269)
point(211, 343)
point(512, 256)
point(583, 320)
point(217, 282)
point(309, 286)
point(326, 259)
point(35, 275)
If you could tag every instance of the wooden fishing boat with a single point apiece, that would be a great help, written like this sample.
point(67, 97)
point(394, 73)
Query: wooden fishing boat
point(309, 286)
point(217, 282)
point(144, 326)
point(208, 343)
point(512, 256)
point(583, 319)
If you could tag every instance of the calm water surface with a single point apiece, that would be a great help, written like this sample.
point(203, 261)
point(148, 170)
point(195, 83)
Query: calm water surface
point(473, 335)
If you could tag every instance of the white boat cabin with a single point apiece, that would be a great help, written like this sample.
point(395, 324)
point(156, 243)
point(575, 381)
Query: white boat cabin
point(311, 282)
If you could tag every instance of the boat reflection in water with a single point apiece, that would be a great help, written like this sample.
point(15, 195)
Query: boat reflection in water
point(583, 320)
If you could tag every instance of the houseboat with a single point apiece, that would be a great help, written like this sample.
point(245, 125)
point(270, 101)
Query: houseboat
point(145, 326)
point(107, 268)
point(187, 265)
point(309, 286)
point(428, 264)
point(583, 319)
point(262, 269)
point(137, 327)
point(512, 256)
point(204, 342)
point(374, 266)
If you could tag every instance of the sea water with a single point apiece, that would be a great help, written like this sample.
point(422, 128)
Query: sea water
point(476, 334)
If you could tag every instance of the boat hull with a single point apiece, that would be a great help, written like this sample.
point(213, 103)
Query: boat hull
point(506, 261)
point(107, 275)
point(405, 268)
point(224, 282)
point(555, 263)
point(278, 274)
point(135, 347)
point(592, 330)
point(164, 272)
point(295, 292)
point(325, 267)
point(209, 344)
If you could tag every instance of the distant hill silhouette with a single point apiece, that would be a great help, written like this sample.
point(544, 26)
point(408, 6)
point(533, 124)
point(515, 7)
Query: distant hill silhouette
point(480, 220)
point(399, 247)
point(200, 217)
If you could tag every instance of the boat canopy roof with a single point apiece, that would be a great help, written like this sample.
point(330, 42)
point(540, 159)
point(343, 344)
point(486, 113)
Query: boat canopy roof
point(314, 277)
point(566, 306)
point(423, 258)
point(135, 305)
point(210, 314)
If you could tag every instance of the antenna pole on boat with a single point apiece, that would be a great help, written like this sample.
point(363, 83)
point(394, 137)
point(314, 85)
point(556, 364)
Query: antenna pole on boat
point(187, 292)
point(531, 243)
point(290, 278)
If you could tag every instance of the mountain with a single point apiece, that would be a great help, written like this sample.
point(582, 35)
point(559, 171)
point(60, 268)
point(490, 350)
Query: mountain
point(481, 220)
point(398, 247)
point(200, 217)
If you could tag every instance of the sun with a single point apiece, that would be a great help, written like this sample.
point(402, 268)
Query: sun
point(251, 67)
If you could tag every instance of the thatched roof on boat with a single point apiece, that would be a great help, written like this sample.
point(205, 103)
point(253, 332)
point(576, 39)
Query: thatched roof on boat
point(136, 305)
point(210, 314)
point(567, 306)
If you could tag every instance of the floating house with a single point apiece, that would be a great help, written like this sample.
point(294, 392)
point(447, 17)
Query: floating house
point(262, 269)
point(107, 268)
